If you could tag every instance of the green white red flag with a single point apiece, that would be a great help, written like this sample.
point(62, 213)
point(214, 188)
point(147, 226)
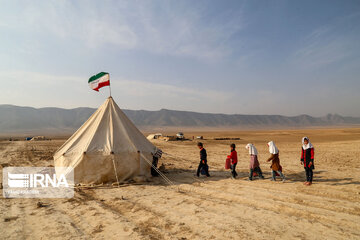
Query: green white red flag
point(99, 80)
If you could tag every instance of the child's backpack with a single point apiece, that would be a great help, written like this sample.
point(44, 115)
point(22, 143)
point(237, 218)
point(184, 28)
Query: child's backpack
point(204, 169)
point(228, 162)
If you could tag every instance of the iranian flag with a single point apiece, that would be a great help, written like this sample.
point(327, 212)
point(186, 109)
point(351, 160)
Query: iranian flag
point(99, 80)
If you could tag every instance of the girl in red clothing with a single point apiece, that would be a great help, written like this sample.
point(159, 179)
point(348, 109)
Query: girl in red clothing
point(307, 159)
point(234, 160)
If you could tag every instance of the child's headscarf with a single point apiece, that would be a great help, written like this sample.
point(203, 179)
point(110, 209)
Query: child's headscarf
point(272, 148)
point(306, 146)
point(252, 149)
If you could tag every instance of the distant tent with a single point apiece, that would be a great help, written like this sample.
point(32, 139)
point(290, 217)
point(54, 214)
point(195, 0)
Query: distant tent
point(107, 137)
point(154, 136)
point(38, 138)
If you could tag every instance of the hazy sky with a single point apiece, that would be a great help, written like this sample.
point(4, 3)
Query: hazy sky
point(250, 57)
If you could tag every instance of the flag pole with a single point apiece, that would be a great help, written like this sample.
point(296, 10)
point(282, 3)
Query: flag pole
point(109, 85)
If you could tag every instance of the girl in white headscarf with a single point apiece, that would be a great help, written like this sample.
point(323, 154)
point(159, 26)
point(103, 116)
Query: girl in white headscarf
point(254, 162)
point(275, 161)
point(307, 159)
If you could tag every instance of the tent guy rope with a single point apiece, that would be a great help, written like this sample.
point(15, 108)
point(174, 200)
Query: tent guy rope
point(158, 171)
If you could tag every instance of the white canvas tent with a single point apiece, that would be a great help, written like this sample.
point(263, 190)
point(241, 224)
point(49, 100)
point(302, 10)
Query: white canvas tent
point(154, 136)
point(108, 137)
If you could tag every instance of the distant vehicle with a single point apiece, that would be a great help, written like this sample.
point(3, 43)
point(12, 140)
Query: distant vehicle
point(180, 135)
point(28, 138)
point(199, 137)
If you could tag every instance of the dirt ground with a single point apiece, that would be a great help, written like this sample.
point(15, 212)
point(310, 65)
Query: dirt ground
point(206, 208)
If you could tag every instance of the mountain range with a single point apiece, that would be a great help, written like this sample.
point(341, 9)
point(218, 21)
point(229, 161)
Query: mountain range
point(50, 120)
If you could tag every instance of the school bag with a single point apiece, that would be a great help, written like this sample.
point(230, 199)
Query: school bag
point(227, 162)
point(204, 169)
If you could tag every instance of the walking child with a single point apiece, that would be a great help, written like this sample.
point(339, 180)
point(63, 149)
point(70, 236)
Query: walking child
point(203, 161)
point(275, 162)
point(156, 155)
point(307, 159)
point(234, 160)
point(254, 162)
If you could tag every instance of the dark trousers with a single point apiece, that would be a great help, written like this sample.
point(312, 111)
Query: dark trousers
point(233, 171)
point(154, 173)
point(278, 172)
point(205, 166)
point(257, 170)
point(309, 174)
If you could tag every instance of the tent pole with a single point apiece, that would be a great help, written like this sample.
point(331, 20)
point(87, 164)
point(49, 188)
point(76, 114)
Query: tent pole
point(117, 179)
